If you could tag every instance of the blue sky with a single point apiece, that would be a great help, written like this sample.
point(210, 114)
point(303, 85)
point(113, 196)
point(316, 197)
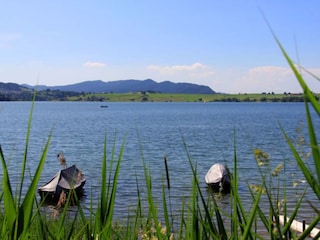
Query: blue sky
point(225, 45)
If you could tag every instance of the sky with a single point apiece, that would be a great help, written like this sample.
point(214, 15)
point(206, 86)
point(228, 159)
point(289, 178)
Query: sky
point(226, 45)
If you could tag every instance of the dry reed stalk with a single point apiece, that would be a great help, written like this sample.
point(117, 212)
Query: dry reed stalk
point(62, 199)
point(62, 160)
point(167, 171)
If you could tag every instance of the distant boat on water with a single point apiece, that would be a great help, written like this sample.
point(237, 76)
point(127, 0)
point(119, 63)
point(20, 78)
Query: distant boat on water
point(104, 106)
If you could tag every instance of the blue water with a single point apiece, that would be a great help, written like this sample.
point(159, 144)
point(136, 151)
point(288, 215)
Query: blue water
point(205, 132)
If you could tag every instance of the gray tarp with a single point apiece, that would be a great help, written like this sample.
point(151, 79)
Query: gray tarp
point(216, 173)
point(68, 178)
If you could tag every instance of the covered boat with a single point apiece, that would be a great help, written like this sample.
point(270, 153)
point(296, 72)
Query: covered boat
point(218, 178)
point(70, 178)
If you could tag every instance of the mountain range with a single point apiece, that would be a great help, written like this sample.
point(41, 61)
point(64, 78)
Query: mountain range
point(125, 86)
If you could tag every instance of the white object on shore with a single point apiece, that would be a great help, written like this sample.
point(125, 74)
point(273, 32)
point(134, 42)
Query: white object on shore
point(298, 226)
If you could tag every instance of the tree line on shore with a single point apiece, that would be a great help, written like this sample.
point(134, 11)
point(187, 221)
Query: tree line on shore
point(58, 95)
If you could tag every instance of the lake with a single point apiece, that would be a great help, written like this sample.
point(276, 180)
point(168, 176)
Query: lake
point(207, 132)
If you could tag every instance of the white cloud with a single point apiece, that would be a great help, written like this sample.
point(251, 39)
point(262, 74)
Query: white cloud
point(6, 39)
point(94, 64)
point(266, 79)
point(270, 79)
point(170, 70)
point(197, 73)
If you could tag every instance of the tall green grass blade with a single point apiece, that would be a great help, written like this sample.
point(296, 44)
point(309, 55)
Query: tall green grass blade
point(151, 204)
point(100, 217)
point(41, 222)
point(286, 227)
point(112, 198)
point(138, 211)
point(103, 193)
point(153, 213)
point(40, 226)
point(285, 195)
point(87, 229)
point(99, 224)
point(234, 192)
point(72, 227)
point(9, 201)
point(61, 229)
point(211, 225)
point(301, 81)
point(104, 213)
point(27, 204)
point(310, 73)
point(273, 210)
point(246, 233)
point(313, 141)
point(264, 219)
point(221, 227)
point(308, 174)
point(24, 161)
point(239, 216)
point(195, 232)
point(182, 221)
point(18, 217)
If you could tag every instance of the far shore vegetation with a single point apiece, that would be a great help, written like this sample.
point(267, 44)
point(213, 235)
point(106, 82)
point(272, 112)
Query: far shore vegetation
point(57, 95)
point(218, 97)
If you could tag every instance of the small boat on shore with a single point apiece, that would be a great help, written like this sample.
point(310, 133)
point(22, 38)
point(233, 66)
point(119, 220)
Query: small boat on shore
point(218, 178)
point(62, 183)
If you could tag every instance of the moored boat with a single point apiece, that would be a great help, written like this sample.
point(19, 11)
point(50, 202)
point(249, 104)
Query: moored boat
point(62, 183)
point(218, 178)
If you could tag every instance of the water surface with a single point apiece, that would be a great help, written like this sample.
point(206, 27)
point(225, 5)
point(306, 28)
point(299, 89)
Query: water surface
point(206, 132)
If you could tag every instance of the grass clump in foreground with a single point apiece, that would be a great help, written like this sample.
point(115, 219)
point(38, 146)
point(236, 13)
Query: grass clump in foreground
point(200, 218)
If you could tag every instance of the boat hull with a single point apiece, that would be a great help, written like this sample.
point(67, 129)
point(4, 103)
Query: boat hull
point(223, 186)
point(53, 197)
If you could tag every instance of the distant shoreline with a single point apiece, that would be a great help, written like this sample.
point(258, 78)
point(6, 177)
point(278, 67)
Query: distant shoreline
point(58, 95)
point(166, 97)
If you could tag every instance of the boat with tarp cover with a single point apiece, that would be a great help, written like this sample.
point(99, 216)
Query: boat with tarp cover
point(63, 182)
point(218, 178)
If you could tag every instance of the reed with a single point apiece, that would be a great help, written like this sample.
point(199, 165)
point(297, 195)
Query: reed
point(99, 225)
point(313, 181)
point(19, 209)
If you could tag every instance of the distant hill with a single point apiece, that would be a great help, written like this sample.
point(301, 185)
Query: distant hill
point(125, 86)
point(16, 92)
point(12, 88)
point(82, 92)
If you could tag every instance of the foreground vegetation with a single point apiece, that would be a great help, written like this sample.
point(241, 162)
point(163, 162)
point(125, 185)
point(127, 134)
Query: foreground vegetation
point(200, 218)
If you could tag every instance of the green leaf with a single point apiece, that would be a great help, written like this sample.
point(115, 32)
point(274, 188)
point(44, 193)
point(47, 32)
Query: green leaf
point(27, 205)
point(308, 174)
point(249, 223)
point(9, 201)
point(313, 142)
point(303, 84)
